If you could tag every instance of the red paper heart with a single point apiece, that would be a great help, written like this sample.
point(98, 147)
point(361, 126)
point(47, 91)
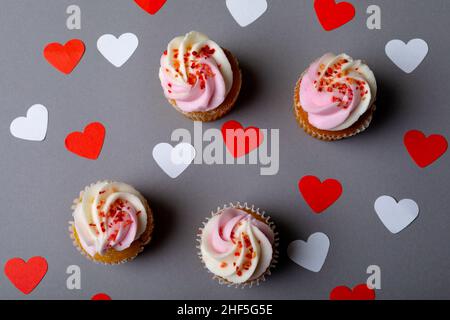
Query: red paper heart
point(89, 143)
point(240, 141)
point(25, 276)
point(424, 151)
point(64, 57)
point(151, 6)
point(319, 195)
point(101, 296)
point(332, 15)
point(360, 292)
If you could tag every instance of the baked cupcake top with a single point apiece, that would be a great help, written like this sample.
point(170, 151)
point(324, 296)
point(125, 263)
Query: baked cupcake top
point(236, 246)
point(336, 91)
point(109, 215)
point(195, 72)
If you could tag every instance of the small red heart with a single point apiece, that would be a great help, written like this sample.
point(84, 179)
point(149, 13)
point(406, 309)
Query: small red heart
point(319, 195)
point(424, 151)
point(332, 15)
point(65, 57)
point(151, 6)
point(89, 143)
point(240, 141)
point(101, 296)
point(25, 276)
point(360, 292)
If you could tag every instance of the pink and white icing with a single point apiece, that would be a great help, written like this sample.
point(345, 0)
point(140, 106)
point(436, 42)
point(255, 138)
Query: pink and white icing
point(109, 215)
point(195, 72)
point(237, 247)
point(336, 91)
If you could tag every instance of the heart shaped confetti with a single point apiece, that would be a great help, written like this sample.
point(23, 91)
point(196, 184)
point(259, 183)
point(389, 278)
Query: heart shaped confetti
point(396, 216)
point(310, 254)
point(407, 56)
point(174, 160)
point(101, 296)
point(151, 6)
point(424, 150)
point(333, 15)
point(359, 292)
point(26, 276)
point(245, 12)
point(117, 50)
point(319, 195)
point(87, 144)
point(64, 57)
point(240, 141)
point(33, 127)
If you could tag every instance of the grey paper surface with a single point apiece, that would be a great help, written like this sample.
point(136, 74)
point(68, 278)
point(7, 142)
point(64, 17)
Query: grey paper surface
point(40, 180)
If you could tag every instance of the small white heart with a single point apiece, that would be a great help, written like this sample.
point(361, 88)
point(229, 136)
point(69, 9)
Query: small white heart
point(174, 160)
point(407, 56)
point(245, 12)
point(396, 216)
point(117, 50)
point(33, 127)
point(311, 254)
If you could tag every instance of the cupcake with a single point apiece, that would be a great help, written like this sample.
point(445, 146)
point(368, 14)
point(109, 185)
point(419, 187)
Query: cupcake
point(335, 97)
point(112, 222)
point(238, 245)
point(199, 78)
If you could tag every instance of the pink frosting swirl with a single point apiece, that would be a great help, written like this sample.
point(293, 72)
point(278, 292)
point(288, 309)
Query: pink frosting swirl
point(121, 220)
point(236, 246)
point(196, 73)
point(335, 91)
point(223, 236)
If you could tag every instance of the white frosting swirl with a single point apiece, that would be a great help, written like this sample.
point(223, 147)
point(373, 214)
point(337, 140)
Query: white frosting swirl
point(237, 247)
point(109, 215)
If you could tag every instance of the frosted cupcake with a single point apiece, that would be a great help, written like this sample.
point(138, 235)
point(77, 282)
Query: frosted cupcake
point(112, 222)
point(238, 245)
point(335, 97)
point(199, 78)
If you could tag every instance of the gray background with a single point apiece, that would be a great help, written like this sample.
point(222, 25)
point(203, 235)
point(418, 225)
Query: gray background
point(40, 180)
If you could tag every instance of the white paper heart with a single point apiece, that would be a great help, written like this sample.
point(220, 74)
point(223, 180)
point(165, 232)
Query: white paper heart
point(117, 50)
point(245, 12)
point(407, 56)
point(33, 127)
point(396, 216)
point(311, 254)
point(173, 160)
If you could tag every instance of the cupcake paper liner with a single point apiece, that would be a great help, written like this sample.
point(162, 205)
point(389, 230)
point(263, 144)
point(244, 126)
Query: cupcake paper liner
point(229, 102)
point(359, 126)
point(147, 233)
point(268, 220)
